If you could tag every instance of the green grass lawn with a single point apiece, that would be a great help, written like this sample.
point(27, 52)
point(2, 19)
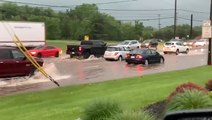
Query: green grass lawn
point(67, 103)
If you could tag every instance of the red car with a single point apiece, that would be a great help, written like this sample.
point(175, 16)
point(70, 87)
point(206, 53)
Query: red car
point(45, 51)
point(13, 63)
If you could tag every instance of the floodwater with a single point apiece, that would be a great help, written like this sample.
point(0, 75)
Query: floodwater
point(68, 71)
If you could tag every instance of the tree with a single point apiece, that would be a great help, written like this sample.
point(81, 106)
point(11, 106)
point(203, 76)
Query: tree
point(139, 27)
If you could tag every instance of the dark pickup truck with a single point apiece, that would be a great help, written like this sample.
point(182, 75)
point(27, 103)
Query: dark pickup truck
point(87, 48)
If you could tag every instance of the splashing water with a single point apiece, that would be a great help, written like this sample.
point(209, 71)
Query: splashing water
point(50, 68)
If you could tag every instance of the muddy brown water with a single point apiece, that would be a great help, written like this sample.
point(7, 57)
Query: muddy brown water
point(68, 71)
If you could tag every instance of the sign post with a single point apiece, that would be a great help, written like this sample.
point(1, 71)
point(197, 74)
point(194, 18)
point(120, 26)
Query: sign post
point(206, 29)
point(207, 33)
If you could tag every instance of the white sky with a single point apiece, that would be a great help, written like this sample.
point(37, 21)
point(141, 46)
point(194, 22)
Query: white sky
point(199, 8)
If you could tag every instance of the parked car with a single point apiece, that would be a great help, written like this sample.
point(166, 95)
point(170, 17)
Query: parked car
point(201, 43)
point(130, 44)
point(115, 53)
point(150, 43)
point(13, 63)
point(144, 56)
point(45, 51)
point(175, 47)
point(87, 48)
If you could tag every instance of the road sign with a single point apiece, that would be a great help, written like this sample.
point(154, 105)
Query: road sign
point(206, 29)
point(206, 23)
point(86, 37)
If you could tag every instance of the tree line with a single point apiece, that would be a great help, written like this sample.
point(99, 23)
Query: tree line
point(86, 19)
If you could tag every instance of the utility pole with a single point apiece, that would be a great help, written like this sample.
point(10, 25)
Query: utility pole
point(159, 26)
point(209, 46)
point(175, 18)
point(191, 30)
point(159, 22)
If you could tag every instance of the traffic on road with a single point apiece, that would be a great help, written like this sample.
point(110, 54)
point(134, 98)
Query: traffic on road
point(69, 71)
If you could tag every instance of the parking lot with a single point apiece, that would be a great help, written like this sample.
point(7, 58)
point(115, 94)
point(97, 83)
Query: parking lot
point(70, 71)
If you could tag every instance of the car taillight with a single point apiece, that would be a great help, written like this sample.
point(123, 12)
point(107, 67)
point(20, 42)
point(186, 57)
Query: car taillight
point(127, 55)
point(116, 53)
point(80, 49)
point(138, 56)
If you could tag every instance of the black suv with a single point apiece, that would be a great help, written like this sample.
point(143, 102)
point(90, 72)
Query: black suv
point(150, 43)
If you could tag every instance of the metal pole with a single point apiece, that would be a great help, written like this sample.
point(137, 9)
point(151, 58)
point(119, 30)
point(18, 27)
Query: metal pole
point(209, 46)
point(175, 18)
point(159, 26)
point(191, 30)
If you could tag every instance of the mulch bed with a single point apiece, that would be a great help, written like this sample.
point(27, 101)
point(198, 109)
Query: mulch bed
point(156, 109)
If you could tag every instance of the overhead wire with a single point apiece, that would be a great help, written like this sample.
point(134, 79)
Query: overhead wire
point(63, 6)
point(117, 10)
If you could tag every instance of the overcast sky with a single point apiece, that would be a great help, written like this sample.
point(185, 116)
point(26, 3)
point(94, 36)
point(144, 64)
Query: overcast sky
point(148, 11)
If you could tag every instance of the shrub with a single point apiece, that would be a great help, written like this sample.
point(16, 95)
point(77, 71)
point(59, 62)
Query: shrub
point(210, 94)
point(101, 110)
point(186, 86)
point(190, 99)
point(208, 85)
point(132, 116)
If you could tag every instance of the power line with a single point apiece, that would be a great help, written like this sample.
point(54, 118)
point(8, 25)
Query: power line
point(189, 19)
point(62, 6)
point(148, 19)
point(115, 2)
point(192, 11)
point(36, 4)
point(125, 10)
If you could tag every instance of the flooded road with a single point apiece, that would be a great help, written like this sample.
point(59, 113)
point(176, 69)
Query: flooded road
point(68, 71)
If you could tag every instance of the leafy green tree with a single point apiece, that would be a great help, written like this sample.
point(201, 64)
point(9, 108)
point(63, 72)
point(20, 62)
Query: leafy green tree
point(139, 28)
point(86, 19)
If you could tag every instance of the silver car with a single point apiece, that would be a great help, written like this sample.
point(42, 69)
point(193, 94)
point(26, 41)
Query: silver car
point(130, 44)
point(115, 53)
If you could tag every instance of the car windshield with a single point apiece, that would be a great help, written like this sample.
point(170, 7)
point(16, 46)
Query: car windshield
point(169, 43)
point(124, 43)
point(173, 40)
point(112, 49)
point(39, 47)
point(146, 41)
point(137, 51)
point(202, 40)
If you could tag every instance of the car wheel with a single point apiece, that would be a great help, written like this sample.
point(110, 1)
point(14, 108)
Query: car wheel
point(32, 72)
point(120, 58)
point(165, 52)
point(177, 52)
point(128, 63)
point(86, 55)
point(161, 60)
point(57, 54)
point(39, 55)
point(187, 51)
point(146, 62)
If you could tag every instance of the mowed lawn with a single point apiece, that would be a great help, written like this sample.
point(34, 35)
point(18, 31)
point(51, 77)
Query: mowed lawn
point(67, 103)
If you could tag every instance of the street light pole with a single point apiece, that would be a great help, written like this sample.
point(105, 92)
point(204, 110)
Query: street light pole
point(209, 46)
point(175, 18)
